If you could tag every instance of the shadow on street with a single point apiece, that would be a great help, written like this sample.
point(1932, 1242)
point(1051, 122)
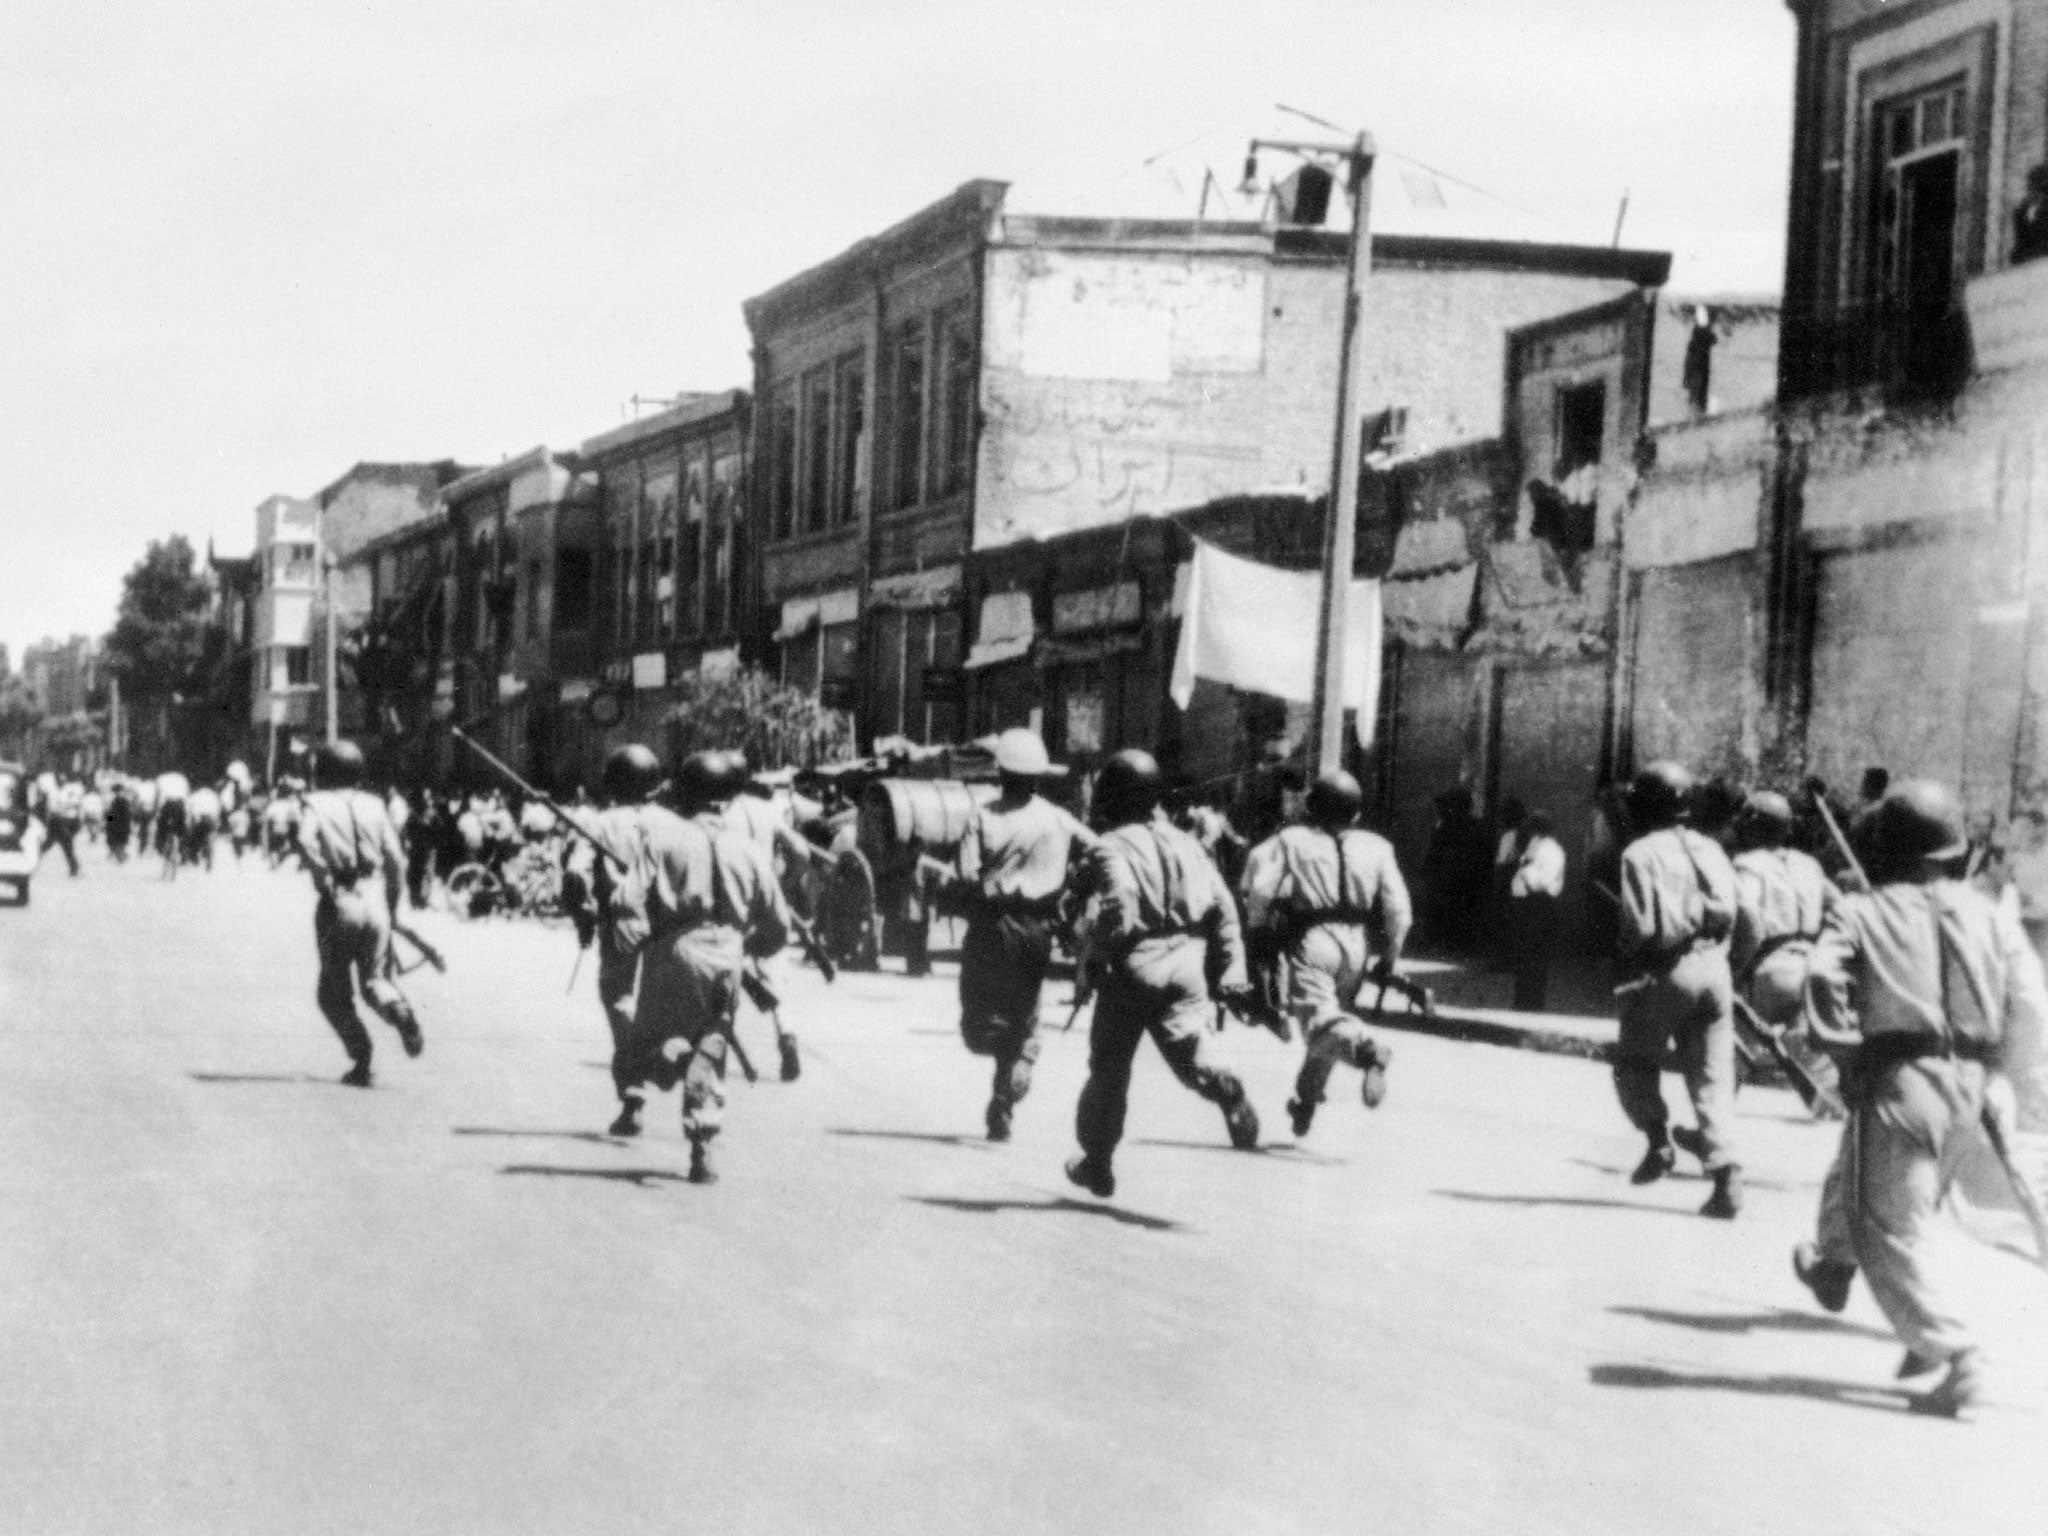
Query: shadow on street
point(1051, 1207)
point(1818, 1389)
point(642, 1178)
point(1777, 1320)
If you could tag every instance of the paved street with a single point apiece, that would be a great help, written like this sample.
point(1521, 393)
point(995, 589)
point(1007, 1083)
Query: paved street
point(238, 1297)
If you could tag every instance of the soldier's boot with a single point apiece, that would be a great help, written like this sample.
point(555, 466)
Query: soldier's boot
point(701, 1171)
point(1239, 1118)
point(357, 1076)
point(408, 1028)
point(628, 1122)
point(1656, 1163)
point(1725, 1203)
point(1093, 1176)
point(1301, 1114)
point(792, 1063)
point(1828, 1280)
point(1373, 1061)
point(1957, 1394)
point(998, 1119)
point(1689, 1141)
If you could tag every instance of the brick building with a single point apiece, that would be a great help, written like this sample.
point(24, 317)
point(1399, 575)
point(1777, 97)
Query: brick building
point(1855, 576)
point(971, 378)
point(673, 580)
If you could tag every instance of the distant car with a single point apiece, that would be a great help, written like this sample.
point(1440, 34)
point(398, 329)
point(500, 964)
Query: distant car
point(20, 837)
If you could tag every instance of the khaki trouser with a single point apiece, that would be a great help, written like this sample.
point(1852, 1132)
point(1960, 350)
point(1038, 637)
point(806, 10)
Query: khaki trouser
point(1161, 989)
point(1911, 1129)
point(352, 932)
point(1690, 1008)
point(617, 971)
point(689, 987)
point(1325, 969)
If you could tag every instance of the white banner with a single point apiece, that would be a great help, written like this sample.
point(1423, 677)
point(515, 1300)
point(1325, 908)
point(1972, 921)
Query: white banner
point(1254, 626)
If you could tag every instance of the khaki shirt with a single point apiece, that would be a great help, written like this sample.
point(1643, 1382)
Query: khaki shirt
point(1936, 959)
point(718, 876)
point(1151, 878)
point(1780, 893)
point(1677, 891)
point(1305, 873)
point(1020, 851)
point(345, 837)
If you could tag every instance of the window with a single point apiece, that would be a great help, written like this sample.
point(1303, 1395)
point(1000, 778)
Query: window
point(782, 461)
point(1581, 427)
point(298, 666)
point(812, 511)
point(850, 387)
point(573, 586)
point(1917, 189)
point(957, 380)
point(533, 627)
point(728, 531)
point(906, 414)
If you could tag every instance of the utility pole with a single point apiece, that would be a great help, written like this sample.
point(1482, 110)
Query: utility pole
point(1340, 534)
point(331, 661)
point(1340, 541)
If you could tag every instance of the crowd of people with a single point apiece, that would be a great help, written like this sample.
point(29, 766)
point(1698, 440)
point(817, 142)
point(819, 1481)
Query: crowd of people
point(1896, 956)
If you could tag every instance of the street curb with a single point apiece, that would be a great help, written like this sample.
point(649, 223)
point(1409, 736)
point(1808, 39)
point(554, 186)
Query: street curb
point(1449, 1024)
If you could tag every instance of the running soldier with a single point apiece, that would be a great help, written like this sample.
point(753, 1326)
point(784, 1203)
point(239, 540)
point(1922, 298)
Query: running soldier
point(1013, 864)
point(713, 904)
point(346, 842)
point(1319, 899)
point(1781, 898)
point(1920, 986)
point(1164, 939)
point(610, 910)
point(64, 814)
point(1677, 911)
point(769, 825)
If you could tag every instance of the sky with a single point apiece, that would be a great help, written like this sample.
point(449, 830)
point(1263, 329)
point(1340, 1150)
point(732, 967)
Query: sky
point(249, 245)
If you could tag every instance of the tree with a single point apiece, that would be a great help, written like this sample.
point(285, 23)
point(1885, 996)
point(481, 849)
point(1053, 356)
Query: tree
point(776, 726)
point(160, 640)
point(19, 717)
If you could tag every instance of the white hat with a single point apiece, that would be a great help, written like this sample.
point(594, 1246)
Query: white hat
point(1021, 752)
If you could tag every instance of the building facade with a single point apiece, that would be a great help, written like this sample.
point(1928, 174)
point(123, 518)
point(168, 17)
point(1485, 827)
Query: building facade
point(1857, 575)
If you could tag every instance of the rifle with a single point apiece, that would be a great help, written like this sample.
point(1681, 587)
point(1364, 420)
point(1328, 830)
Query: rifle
point(562, 816)
point(428, 953)
point(1753, 1030)
point(1250, 1008)
point(1834, 827)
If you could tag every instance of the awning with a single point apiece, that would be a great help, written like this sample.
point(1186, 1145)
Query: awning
point(916, 589)
point(1006, 630)
point(798, 615)
point(841, 607)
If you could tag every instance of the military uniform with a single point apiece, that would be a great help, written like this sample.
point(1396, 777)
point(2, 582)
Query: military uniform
point(619, 934)
point(1920, 985)
point(1014, 859)
point(1678, 899)
point(714, 902)
point(345, 839)
point(1319, 899)
point(1781, 897)
point(1165, 932)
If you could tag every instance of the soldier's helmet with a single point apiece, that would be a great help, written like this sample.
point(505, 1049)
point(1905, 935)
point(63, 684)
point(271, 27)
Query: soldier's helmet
point(1659, 796)
point(1766, 819)
point(1020, 752)
point(697, 779)
point(1335, 799)
point(733, 773)
point(337, 765)
point(631, 773)
point(1129, 787)
point(1918, 822)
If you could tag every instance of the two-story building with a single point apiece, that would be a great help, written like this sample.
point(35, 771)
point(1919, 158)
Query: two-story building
point(522, 537)
point(672, 588)
point(1858, 575)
